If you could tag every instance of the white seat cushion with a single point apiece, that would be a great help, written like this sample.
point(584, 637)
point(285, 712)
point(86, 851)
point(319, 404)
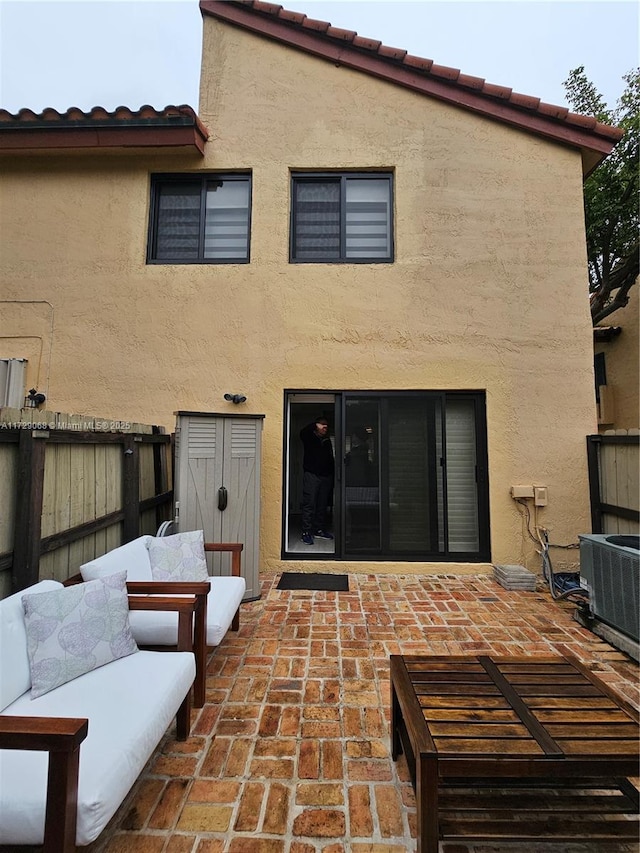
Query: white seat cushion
point(153, 628)
point(129, 703)
point(132, 557)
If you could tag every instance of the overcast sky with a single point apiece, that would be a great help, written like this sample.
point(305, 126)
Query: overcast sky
point(88, 53)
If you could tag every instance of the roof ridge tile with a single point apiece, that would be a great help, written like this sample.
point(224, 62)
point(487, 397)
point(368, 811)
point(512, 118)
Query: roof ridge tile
point(313, 24)
point(444, 71)
point(337, 32)
point(391, 52)
point(269, 8)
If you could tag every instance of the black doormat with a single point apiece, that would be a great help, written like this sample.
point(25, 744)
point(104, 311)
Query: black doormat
point(314, 580)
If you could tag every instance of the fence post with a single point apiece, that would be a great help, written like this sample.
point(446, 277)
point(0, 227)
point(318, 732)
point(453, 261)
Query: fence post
point(160, 475)
point(131, 489)
point(28, 523)
point(595, 496)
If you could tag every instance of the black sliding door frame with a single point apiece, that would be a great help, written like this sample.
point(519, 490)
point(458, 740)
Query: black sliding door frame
point(437, 516)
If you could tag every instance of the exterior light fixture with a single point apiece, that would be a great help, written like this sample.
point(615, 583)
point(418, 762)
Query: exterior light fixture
point(34, 399)
point(235, 398)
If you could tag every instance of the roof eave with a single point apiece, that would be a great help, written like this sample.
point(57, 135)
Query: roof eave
point(25, 139)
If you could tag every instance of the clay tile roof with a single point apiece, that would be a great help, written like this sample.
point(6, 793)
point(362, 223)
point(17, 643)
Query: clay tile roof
point(391, 52)
point(552, 110)
point(337, 33)
point(470, 82)
point(24, 114)
point(312, 24)
point(526, 101)
point(173, 126)
point(445, 72)
point(268, 8)
point(365, 43)
point(497, 91)
point(74, 114)
point(371, 56)
point(49, 114)
point(418, 62)
point(294, 17)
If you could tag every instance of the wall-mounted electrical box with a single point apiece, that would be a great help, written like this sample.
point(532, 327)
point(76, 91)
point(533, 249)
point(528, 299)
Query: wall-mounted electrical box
point(521, 491)
point(540, 495)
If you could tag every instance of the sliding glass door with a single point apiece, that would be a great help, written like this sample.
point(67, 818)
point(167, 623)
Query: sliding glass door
point(411, 475)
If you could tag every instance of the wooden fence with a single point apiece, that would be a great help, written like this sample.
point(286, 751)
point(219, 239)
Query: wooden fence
point(614, 481)
point(72, 488)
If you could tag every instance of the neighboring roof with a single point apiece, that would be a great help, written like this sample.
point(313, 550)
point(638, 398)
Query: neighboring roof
point(346, 47)
point(604, 334)
point(174, 127)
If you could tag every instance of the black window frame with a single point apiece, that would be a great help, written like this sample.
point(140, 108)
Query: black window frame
point(341, 178)
point(203, 179)
point(600, 372)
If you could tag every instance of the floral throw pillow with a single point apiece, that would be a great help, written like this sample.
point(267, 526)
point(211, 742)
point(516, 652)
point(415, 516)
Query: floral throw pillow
point(76, 629)
point(179, 557)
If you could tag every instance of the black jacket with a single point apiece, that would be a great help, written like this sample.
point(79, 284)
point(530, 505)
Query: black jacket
point(318, 452)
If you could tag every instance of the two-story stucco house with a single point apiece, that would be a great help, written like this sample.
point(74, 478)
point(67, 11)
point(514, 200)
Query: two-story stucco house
point(341, 230)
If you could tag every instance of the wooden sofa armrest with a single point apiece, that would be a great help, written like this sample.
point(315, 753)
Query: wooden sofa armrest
point(236, 550)
point(61, 738)
point(185, 607)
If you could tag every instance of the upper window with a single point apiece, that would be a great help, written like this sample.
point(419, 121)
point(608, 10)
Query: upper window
point(199, 219)
point(341, 218)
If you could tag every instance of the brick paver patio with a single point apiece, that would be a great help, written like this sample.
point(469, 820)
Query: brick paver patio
point(291, 752)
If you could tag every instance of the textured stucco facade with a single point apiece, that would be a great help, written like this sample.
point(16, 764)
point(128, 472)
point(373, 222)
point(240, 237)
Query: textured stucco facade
point(486, 291)
point(622, 357)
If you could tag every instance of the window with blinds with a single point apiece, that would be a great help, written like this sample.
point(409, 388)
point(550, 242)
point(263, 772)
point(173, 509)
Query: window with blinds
point(341, 218)
point(200, 219)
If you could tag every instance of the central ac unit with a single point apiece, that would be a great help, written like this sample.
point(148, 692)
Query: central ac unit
point(610, 570)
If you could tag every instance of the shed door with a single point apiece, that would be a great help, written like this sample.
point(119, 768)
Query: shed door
point(219, 492)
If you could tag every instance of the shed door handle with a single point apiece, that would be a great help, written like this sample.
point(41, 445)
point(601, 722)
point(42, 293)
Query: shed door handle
point(222, 498)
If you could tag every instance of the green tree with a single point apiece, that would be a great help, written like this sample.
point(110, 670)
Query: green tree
point(611, 195)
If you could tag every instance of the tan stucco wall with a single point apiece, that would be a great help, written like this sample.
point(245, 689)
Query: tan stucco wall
point(486, 292)
point(622, 359)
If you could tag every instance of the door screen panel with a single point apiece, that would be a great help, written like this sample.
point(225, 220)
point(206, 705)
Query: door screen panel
point(462, 499)
point(361, 477)
point(409, 491)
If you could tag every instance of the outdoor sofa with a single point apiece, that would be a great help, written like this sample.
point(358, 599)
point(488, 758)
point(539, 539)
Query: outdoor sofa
point(181, 564)
point(69, 755)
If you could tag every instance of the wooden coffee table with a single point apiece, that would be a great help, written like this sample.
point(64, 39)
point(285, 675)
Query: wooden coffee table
point(512, 748)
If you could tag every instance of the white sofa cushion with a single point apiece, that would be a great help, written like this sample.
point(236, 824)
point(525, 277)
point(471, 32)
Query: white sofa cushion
point(72, 630)
point(133, 557)
point(14, 661)
point(178, 558)
point(152, 628)
point(129, 703)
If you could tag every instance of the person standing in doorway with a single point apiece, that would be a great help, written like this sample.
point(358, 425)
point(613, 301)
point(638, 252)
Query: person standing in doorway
point(317, 479)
